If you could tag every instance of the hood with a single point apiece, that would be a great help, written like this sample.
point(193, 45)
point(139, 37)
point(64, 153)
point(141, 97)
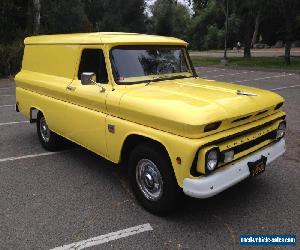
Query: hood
point(186, 105)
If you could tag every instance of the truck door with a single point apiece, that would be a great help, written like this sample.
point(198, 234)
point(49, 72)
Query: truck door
point(86, 107)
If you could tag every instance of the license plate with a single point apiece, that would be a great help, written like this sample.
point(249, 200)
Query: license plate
point(258, 166)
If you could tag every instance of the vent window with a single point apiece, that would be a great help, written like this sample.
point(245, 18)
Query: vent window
point(92, 60)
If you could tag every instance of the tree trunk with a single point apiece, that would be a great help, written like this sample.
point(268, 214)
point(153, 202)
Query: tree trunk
point(288, 41)
point(287, 52)
point(287, 10)
point(226, 31)
point(37, 16)
point(256, 27)
point(29, 17)
point(247, 45)
point(247, 50)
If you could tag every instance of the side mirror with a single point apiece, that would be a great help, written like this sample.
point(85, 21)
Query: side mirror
point(88, 78)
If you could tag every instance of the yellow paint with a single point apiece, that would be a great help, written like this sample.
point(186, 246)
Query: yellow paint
point(111, 38)
point(171, 112)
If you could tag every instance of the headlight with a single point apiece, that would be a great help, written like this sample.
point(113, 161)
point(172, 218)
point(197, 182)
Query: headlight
point(211, 159)
point(281, 130)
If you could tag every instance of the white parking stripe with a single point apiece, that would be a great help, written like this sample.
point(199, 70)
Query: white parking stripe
point(29, 156)
point(106, 238)
point(2, 106)
point(245, 72)
point(7, 88)
point(267, 77)
point(215, 70)
point(232, 74)
point(6, 95)
point(287, 87)
point(11, 123)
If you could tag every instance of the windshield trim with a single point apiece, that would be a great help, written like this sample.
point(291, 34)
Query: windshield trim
point(188, 62)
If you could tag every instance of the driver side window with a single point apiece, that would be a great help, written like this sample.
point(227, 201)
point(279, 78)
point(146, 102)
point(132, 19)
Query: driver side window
point(92, 60)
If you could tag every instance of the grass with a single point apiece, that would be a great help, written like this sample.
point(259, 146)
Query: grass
point(255, 62)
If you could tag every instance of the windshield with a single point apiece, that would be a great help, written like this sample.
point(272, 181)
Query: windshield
point(134, 64)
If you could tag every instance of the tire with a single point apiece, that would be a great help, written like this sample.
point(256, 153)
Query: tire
point(48, 138)
point(152, 179)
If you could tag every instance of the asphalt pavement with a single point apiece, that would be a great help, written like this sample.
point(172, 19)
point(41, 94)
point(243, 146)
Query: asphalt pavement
point(50, 200)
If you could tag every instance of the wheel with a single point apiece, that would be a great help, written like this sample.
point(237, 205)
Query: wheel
point(152, 179)
point(48, 139)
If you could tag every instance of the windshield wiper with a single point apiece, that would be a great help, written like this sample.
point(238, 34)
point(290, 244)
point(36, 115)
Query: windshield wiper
point(148, 82)
point(178, 77)
point(167, 77)
point(154, 79)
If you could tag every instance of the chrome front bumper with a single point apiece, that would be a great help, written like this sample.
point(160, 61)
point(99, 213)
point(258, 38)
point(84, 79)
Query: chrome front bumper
point(228, 176)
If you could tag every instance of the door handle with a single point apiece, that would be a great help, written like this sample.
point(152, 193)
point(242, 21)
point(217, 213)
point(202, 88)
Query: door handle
point(70, 88)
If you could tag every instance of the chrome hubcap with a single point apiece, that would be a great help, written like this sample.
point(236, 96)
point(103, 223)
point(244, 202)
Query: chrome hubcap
point(149, 179)
point(45, 132)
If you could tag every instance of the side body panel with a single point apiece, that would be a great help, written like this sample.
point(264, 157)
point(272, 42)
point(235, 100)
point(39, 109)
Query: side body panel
point(46, 72)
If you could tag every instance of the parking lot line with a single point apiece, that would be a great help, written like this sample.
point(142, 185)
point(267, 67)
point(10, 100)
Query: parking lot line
point(29, 156)
point(106, 238)
point(287, 87)
point(267, 77)
point(6, 95)
point(232, 74)
point(8, 105)
point(11, 123)
point(7, 88)
point(215, 70)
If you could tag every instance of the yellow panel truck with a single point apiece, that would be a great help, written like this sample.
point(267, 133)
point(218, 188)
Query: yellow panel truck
point(136, 100)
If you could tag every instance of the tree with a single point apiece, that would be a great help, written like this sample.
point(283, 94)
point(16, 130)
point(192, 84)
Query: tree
point(214, 37)
point(225, 8)
point(169, 18)
point(37, 16)
point(12, 20)
point(117, 15)
point(198, 5)
point(210, 15)
point(290, 10)
point(246, 10)
point(257, 23)
point(63, 17)
point(163, 17)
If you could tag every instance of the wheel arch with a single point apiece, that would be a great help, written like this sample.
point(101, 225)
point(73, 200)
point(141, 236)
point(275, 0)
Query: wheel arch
point(132, 140)
point(33, 113)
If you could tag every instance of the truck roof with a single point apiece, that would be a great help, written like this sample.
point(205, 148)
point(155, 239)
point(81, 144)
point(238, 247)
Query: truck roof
point(103, 38)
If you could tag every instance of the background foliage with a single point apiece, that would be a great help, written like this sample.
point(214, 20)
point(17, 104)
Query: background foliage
point(200, 22)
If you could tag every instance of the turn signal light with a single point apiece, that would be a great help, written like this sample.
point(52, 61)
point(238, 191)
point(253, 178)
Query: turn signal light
point(228, 155)
point(278, 106)
point(212, 126)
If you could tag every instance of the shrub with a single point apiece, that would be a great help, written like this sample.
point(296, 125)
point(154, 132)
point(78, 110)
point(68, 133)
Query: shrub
point(10, 58)
point(214, 39)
